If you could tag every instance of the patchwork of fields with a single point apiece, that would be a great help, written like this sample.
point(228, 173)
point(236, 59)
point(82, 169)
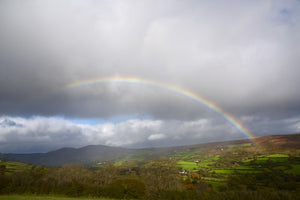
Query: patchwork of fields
point(235, 160)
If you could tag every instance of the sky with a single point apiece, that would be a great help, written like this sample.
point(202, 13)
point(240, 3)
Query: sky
point(242, 57)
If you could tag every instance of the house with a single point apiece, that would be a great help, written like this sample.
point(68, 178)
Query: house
point(130, 171)
point(183, 172)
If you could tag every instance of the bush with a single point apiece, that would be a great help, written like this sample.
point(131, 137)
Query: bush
point(128, 188)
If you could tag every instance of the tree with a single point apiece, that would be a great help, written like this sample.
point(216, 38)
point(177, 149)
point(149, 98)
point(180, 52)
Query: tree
point(126, 188)
point(161, 175)
point(106, 174)
point(2, 169)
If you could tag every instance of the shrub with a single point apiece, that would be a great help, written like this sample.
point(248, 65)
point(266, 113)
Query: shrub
point(128, 188)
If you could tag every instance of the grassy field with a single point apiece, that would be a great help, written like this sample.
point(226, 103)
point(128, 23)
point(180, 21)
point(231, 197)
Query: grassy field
point(216, 173)
point(192, 166)
point(295, 170)
point(29, 197)
point(12, 166)
point(187, 165)
point(262, 160)
point(277, 155)
point(230, 171)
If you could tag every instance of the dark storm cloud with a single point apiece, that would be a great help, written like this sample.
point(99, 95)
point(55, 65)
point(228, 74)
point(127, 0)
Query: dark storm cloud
point(241, 55)
point(196, 45)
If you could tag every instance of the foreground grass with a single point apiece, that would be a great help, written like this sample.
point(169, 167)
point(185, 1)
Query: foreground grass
point(30, 197)
point(231, 195)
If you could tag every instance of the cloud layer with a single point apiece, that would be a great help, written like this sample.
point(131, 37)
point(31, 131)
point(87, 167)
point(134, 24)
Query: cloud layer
point(241, 55)
point(43, 134)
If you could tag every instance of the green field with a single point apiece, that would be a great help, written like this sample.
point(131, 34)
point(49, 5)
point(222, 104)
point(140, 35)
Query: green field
point(222, 171)
point(295, 170)
point(281, 168)
point(214, 170)
point(279, 159)
point(230, 171)
point(12, 166)
point(25, 197)
point(264, 159)
point(189, 154)
point(205, 164)
point(244, 167)
point(216, 184)
point(261, 160)
point(187, 165)
point(277, 155)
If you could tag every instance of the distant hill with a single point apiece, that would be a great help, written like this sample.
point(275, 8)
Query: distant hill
point(87, 155)
point(94, 154)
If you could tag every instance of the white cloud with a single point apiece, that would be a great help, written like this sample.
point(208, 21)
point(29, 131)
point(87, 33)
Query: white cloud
point(39, 134)
point(156, 136)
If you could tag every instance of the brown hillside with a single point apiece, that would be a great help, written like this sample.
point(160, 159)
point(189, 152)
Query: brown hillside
point(279, 142)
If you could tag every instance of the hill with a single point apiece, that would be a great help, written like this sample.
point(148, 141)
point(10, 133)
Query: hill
point(87, 155)
point(261, 168)
point(93, 154)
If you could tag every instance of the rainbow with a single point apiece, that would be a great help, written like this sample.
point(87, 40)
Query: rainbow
point(181, 91)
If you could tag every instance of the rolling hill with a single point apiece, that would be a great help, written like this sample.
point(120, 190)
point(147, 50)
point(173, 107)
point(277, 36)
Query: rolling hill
point(94, 154)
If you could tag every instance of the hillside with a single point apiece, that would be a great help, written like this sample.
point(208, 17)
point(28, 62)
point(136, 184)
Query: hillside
point(87, 155)
point(94, 154)
point(263, 168)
